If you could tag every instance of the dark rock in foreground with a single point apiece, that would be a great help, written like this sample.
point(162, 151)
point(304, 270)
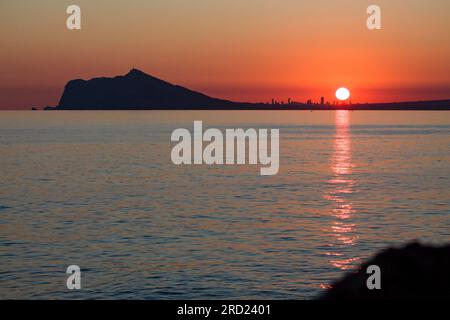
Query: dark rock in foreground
point(411, 272)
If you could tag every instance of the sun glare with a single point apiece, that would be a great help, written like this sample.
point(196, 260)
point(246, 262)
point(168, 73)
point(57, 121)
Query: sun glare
point(342, 94)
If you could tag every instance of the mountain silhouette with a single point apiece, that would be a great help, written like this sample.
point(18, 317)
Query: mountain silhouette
point(135, 90)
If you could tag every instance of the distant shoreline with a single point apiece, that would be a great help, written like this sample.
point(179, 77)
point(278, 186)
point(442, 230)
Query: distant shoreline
point(434, 105)
point(443, 105)
point(287, 108)
point(138, 90)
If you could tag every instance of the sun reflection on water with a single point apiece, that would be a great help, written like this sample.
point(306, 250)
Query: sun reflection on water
point(342, 228)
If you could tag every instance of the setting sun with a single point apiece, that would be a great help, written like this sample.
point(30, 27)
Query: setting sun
point(342, 94)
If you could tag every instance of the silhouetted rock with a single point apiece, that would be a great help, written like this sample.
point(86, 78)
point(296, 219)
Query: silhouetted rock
point(135, 90)
point(412, 272)
point(139, 91)
point(33, 108)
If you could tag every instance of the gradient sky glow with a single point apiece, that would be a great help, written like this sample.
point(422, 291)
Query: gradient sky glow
point(245, 50)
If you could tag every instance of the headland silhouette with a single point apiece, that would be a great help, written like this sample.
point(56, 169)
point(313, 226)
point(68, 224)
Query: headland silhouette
point(137, 90)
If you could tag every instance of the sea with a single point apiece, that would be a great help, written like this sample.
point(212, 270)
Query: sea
point(98, 189)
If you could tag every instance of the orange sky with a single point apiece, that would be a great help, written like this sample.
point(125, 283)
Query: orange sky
point(246, 50)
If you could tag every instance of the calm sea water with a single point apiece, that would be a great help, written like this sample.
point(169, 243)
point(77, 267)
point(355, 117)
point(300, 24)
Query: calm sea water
point(98, 189)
